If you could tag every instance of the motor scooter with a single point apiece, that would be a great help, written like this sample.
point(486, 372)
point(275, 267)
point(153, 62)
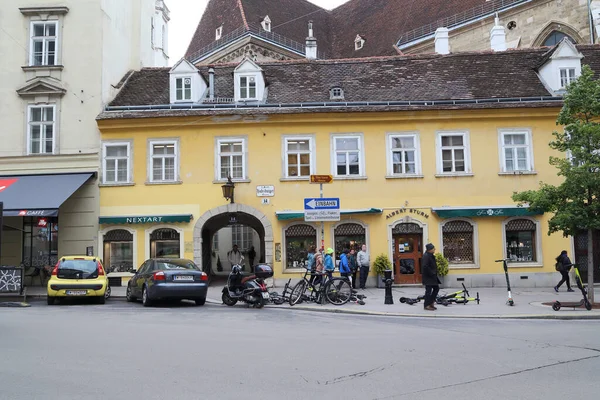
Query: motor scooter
point(250, 289)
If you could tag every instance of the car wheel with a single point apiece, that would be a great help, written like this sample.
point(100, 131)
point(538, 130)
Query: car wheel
point(50, 300)
point(145, 300)
point(201, 301)
point(129, 295)
point(101, 300)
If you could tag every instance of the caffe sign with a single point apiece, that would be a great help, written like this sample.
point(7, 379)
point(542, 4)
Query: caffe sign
point(413, 211)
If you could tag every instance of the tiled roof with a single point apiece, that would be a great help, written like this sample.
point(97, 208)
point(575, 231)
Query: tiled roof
point(460, 76)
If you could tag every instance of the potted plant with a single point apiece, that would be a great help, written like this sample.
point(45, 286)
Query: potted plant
point(382, 263)
point(442, 266)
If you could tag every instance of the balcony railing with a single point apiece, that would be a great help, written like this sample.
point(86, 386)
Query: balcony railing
point(486, 8)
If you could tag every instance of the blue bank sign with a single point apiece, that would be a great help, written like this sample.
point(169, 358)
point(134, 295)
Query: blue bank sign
point(321, 209)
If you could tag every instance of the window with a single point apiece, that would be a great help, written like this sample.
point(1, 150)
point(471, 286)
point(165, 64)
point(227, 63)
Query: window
point(299, 157)
point(266, 24)
point(41, 130)
point(43, 43)
point(40, 242)
point(231, 158)
point(336, 93)
point(165, 243)
point(567, 76)
point(248, 87)
point(516, 151)
point(348, 155)
point(118, 251)
point(453, 153)
point(164, 161)
point(298, 240)
point(349, 236)
point(242, 236)
point(403, 154)
point(521, 240)
point(116, 163)
point(458, 242)
point(219, 32)
point(359, 42)
point(183, 89)
point(555, 37)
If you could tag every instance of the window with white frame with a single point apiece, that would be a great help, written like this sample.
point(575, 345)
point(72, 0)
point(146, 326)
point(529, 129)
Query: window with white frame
point(43, 43)
point(248, 87)
point(41, 129)
point(458, 242)
point(116, 163)
point(567, 76)
point(219, 33)
point(242, 235)
point(516, 151)
point(521, 240)
point(336, 93)
point(298, 157)
point(183, 89)
point(231, 158)
point(164, 161)
point(359, 42)
point(403, 154)
point(453, 152)
point(266, 24)
point(348, 155)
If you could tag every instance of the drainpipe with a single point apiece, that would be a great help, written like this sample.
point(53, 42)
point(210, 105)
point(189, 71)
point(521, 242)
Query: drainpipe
point(591, 18)
point(211, 83)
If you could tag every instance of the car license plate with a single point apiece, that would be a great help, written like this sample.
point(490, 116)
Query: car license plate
point(184, 278)
point(76, 292)
point(265, 295)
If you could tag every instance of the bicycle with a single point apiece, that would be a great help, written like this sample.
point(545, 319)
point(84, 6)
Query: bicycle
point(337, 291)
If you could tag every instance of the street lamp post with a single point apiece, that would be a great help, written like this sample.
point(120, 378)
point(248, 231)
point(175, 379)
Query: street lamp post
point(228, 190)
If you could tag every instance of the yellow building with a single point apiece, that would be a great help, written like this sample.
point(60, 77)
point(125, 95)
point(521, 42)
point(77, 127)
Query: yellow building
point(421, 148)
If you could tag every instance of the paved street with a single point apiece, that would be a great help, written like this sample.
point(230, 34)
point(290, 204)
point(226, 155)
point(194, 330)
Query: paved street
point(125, 351)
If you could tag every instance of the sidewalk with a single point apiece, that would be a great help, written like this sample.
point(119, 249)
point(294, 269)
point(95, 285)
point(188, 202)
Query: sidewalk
point(528, 303)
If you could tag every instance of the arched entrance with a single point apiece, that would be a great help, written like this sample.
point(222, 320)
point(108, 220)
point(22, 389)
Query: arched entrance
point(407, 237)
point(229, 215)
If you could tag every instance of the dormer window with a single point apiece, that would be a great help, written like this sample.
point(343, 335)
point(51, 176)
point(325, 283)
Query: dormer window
point(266, 24)
point(183, 89)
point(336, 93)
point(567, 76)
point(247, 88)
point(219, 32)
point(359, 42)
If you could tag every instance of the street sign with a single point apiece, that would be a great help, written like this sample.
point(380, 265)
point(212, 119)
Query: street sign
point(321, 209)
point(321, 178)
point(265, 191)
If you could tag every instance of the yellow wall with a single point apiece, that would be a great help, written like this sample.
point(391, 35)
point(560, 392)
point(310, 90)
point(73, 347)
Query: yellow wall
point(198, 193)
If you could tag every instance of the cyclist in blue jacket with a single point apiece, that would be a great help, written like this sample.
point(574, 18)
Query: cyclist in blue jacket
point(329, 264)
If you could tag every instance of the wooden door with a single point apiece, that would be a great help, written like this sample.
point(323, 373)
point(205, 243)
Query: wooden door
point(407, 259)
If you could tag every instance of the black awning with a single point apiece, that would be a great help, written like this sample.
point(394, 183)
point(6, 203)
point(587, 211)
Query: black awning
point(38, 195)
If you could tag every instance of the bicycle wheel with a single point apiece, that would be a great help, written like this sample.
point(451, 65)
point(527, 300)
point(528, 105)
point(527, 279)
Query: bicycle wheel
point(298, 292)
point(338, 291)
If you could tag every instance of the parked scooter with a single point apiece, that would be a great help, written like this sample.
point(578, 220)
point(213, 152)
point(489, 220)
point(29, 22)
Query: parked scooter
point(250, 289)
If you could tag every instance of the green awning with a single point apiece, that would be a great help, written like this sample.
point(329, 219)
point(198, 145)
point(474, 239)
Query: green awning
point(287, 215)
point(507, 211)
point(146, 219)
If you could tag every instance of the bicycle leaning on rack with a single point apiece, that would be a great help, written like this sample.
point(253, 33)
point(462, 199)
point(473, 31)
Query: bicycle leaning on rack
point(337, 291)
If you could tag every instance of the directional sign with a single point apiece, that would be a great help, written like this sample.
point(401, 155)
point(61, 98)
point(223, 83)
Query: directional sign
point(321, 178)
point(321, 209)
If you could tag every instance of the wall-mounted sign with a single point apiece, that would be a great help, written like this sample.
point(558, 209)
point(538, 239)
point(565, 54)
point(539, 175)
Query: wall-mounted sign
point(265, 201)
point(321, 178)
point(265, 191)
point(409, 210)
point(89, 251)
point(146, 219)
point(233, 219)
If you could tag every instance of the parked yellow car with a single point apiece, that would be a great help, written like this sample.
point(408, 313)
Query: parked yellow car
point(78, 276)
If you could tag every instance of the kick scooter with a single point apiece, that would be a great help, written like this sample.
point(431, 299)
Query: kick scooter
point(510, 300)
point(584, 302)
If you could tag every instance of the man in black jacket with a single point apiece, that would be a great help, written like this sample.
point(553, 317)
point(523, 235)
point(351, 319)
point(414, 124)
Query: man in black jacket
point(430, 278)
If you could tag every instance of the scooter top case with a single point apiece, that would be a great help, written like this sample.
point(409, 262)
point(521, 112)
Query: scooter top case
point(263, 271)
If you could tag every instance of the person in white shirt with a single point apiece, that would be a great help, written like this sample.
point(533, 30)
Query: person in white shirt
point(235, 256)
point(363, 261)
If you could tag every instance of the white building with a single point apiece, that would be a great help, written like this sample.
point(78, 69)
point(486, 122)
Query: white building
point(62, 61)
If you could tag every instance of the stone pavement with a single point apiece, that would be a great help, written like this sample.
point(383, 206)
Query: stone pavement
point(528, 303)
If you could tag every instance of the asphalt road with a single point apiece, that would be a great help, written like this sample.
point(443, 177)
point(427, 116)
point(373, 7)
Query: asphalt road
point(126, 351)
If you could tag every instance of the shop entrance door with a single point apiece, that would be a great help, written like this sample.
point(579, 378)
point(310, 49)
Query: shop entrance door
point(407, 259)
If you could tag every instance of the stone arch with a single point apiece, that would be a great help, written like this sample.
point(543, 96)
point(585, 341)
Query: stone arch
point(559, 27)
point(232, 208)
point(407, 219)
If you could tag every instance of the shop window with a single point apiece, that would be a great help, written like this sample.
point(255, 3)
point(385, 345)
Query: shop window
point(521, 240)
point(298, 240)
point(458, 242)
point(349, 236)
point(118, 251)
point(40, 241)
point(165, 243)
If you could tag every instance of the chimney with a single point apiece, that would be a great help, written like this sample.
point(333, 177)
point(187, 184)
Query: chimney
point(442, 43)
point(311, 43)
point(211, 83)
point(498, 36)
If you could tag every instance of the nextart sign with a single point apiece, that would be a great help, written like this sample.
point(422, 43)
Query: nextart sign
point(146, 219)
point(405, 210)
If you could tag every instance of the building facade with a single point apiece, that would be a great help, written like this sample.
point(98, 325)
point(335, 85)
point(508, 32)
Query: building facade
point(55, 81)
point(421, 149)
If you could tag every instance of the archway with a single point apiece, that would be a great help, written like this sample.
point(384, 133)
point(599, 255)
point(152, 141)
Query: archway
point(213, 220)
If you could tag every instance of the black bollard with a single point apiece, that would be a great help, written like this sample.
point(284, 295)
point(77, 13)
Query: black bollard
point(388, 286)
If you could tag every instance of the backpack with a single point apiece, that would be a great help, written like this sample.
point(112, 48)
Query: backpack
point(557, 266)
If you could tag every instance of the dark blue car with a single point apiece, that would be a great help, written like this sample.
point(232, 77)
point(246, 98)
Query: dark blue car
point(168, 279)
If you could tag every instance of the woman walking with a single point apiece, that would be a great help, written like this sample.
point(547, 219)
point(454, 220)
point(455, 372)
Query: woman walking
point(563, 264)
